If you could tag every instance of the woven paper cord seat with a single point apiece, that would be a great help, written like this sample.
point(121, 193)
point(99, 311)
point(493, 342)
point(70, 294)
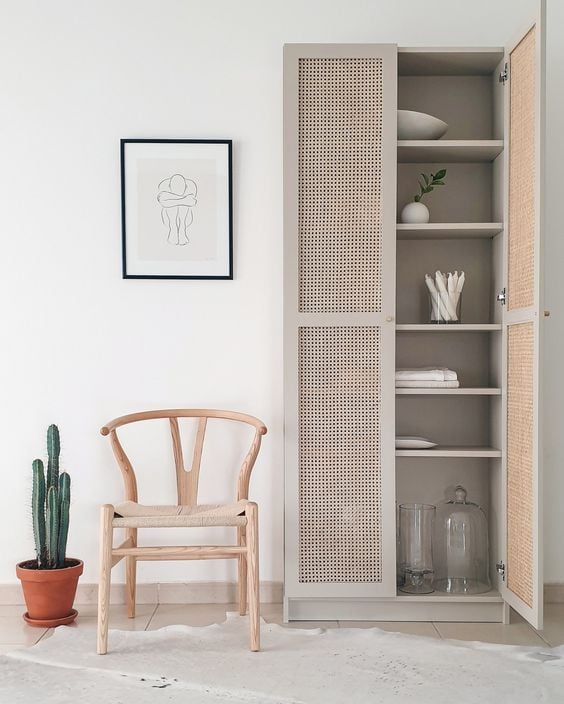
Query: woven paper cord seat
point(130, 514)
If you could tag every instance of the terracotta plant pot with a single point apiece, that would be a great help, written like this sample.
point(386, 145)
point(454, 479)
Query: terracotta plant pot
point(49, 594)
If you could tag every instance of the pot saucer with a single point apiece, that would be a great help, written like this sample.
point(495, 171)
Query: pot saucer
point(50, 622)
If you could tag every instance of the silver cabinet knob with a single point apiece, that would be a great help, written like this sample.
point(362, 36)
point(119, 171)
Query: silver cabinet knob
point(389, 319)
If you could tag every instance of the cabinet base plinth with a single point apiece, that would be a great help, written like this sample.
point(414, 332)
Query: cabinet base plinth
point(488, 608)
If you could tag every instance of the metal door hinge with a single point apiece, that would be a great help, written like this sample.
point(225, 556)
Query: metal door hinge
point(504, 75)
point(502, 297)
point(500, 567)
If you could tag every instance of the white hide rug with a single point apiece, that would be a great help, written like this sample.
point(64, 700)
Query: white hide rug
point(212, 664)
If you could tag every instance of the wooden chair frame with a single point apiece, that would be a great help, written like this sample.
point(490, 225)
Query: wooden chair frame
point(245, 551)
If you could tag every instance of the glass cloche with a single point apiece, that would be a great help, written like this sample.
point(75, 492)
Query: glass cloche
point(460, 552)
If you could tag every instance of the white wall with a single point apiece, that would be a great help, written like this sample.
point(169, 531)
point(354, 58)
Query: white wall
point(79, 344)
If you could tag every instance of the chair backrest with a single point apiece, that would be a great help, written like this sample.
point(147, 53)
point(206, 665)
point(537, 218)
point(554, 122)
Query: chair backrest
point(186, 477)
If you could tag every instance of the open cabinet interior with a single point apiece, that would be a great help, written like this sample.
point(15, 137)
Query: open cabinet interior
point(465, 233)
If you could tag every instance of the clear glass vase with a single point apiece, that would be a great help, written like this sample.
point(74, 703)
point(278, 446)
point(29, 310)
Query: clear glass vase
point(461, 547)
point(416, 522)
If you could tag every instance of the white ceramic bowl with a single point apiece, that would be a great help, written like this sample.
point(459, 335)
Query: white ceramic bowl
point(419, 125)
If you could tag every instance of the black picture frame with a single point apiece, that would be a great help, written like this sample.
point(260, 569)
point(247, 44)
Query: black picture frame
point(126, 273)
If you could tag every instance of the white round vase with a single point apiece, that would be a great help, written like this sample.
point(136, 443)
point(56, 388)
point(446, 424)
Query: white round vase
point(415, 213)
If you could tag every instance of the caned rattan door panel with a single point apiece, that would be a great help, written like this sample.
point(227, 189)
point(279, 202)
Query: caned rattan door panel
point(520, 460)
point(339, 184)
point(522, 155)
point(339, 231)
point(523, 588)
point(340, 471)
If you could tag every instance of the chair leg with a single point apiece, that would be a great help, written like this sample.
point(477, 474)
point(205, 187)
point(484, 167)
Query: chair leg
point(106, 540)
point(251, 512)
point(131, 575)
point(242, 574)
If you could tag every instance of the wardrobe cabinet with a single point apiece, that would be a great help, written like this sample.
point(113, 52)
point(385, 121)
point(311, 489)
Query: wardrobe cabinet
point(356, 308)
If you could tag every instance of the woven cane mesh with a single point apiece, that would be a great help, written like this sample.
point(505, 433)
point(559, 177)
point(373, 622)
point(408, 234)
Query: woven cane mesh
point(339, 185)
point(339, 454)
point(522, 130)
point(520, 420)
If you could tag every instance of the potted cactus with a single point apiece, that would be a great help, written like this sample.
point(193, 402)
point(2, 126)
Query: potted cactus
point(49, 581)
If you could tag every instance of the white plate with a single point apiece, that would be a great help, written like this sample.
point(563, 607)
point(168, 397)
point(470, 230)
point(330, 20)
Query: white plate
point(413, 442)
point(419, 125)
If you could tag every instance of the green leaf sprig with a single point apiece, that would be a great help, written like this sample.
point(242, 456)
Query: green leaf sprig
point(429, 182)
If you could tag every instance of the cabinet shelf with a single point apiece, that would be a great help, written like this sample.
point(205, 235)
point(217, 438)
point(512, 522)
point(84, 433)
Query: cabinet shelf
point(448, 392)
point(449, 151)
point(448, 230)
point(492, 595)
point(460, 327)
point(454, 451)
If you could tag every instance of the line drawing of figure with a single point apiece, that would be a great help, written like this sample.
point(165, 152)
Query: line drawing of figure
point(177, 197)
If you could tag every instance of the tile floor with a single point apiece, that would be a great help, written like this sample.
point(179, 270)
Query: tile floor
point(15, 633)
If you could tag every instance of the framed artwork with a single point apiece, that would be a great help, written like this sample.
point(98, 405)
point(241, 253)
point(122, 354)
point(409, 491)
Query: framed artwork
point(177, 208)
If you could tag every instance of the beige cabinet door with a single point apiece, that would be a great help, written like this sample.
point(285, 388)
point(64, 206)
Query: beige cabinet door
point(339, 281)
point(522, 586)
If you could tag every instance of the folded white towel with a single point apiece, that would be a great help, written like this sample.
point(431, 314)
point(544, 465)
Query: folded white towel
point(427, 384)
point(426, 374)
